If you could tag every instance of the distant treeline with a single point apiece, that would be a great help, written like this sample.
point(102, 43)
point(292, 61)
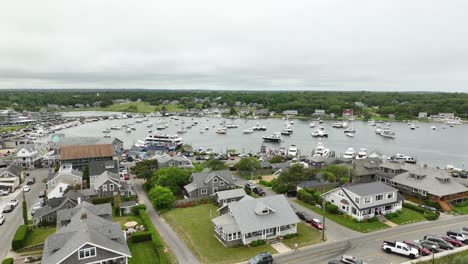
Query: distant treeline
point(403, 105)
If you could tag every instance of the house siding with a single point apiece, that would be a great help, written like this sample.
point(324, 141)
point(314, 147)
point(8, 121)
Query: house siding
point(101, 254)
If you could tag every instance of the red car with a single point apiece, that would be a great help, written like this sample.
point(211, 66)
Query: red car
point(317, 223)
point(422, 251)
point(452, 241)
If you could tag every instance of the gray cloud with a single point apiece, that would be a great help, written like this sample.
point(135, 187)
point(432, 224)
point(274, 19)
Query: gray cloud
point(210, 44)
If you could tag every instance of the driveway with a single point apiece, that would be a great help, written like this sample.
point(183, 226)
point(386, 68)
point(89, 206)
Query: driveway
point(15, 218)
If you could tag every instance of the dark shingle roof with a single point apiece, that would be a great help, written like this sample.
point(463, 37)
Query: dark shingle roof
point(369, 188)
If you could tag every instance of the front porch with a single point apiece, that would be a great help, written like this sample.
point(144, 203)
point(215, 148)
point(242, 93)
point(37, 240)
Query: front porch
point(118, 260)
point(269, 233)
point(375, 211)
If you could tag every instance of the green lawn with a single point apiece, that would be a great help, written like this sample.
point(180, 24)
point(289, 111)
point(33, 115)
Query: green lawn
point(139, 107)
point(38, 236)
point(127, 218)
point(346, 222)
point(142, 252)
point(461, 209)
point(407, 216)
point(11, 128)
point(308, 235)
point(457, 258)
point(194, 226)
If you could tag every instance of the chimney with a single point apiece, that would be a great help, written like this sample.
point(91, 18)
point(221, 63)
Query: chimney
point(79, 200)
point(171, 154)
point(84, 216)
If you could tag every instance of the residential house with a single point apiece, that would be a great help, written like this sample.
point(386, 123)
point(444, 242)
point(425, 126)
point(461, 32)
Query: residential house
point(364, 170)
point(96, 168)
point(206, 183)
point(170, 160)
point(255, 219)
point(88, 237)
point(83, 195)
point(11, 177)
point(109, 184)
point(59, 182)
point(319, 112)
point(313, 184)
point(290, 112)
point(391, 116)
point(347, 113)
point(422, 115)
point(48, 213)
point(83, 154)
point(363, 201)
point(229, 196)
point(28, 157)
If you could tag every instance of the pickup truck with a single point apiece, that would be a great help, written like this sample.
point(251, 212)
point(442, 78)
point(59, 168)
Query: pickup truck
point(400, 248)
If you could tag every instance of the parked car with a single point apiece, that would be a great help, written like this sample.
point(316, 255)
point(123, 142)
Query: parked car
point(262, 258)
point(14, 202)
point(422, 251)
point(442, 243)
point(430, 208)
point(258, 190)
point(8, 208)
point(459, 235)
point(317, 223)
point(431, 246)
point(400, 248)
point(454, 242)
point(42, 194)
point(2, 219)
point(4, 193)
point(304, 216)
point(335, 262)
point(35, 207)
point(249, 186)
point(351, 260)
point(31, 181)
point(26, 188)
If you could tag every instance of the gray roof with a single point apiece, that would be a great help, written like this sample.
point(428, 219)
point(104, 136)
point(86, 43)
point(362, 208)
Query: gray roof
point(165, 158)
point(248, 219)
point(128, 204)
point(432, 183)
point(227, 223)
point(98, 209)
point(103, 178)
point(98, 167)
point(200, 179)
point(371, 188)
point(94, 230)
point(74, 141)
point(52, 205)
point(13, 169)
point(229, 194)
point(311, 184)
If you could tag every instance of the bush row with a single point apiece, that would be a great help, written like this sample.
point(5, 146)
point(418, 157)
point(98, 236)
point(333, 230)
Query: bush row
point(20, 237)
point(136, 209)
point(265, 183)
point(141, 236)
point(309, 196)
point(103, 200)
point(429, 215)
point(7, 261)
point(155, 237)
point(192, 203)
point(257, 243)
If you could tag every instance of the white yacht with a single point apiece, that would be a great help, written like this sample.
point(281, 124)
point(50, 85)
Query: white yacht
point(221, 131)
point(362, 154)
point(319, 133)
point(320, 150)
point(312, 124)
point(292, 151)
point(248, 131)
point(387, 133)
point(128, 130)
point(349, 153)
point(412, 126)
point(258, 127)
point(160, 138)
point(349, 134)
point(276, 138)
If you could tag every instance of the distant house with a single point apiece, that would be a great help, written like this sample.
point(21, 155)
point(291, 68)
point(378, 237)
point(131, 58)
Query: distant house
point(313, 184)
point(290, 112)
point(255, 219)
point(422, 115)
point(166, 160)
point(363, 201)
point(109, 184)
point(86, 235)
point(27, 157)
point(81, 155)
point(11, 177)
point(347, 113)
point(319, 112)
point(59, 182)
point(98, 167)
point(391, 116)
point(206, 183)
point(48, 213)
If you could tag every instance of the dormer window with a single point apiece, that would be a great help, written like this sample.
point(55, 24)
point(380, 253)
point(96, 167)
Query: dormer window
point(87, 253)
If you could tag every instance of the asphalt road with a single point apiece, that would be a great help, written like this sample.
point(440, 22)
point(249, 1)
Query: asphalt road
point(15, 218)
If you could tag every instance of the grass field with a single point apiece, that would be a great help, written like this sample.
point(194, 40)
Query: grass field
point(461, 209)
point(11, 128)
point(407, 216)
point(308, 235)
point(142, 252)
point(38, 236)
point(139, 107)
point(194, 226)
point(346, 222)
point(457, 258)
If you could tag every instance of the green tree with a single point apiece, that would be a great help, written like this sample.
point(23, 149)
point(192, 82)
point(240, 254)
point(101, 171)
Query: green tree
point(145, 169)
point(248, 164)
point(329, 176)
point(161, 197)
point(277, 159)
point(172, 178)
point(215, 164)
point(232, 111)
point(25, 210)
point(85, 176)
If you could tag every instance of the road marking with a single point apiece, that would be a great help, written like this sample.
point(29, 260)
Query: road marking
point(416, 231)
point(316, 255)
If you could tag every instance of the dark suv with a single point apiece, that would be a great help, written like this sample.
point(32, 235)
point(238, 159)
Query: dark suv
point(262, 258)
point(258, 191)
point(442, 243)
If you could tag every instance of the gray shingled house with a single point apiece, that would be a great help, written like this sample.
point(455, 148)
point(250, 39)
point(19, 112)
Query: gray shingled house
point(255, 219)
point(48, 213)
point(109, 184)
point(229, 196)
point(206, 183)
point(86, 238)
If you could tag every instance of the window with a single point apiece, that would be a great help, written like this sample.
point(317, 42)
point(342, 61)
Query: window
point(104, 188)
point(111, 187)
point(379, 197)
point(215, 189)
point(390, 196)
point(215, 180)
point(203, 191)
point(87, 253)
point(50, 218)
point(60, 190)
point(356, 199)
point(367, 200)
point(221, 183)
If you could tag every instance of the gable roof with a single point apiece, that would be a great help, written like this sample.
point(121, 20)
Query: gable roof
point(53, 205)
point(12, 169)
point(103, 178)
point(431, 183)
point(75, 141)
point(229, 194)
point(248, 220)
point(86, 151)
point(97, 167)
point(98, 209)
point(371, 188)
point(200, 179)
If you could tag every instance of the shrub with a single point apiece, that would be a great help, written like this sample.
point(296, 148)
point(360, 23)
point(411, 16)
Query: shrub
point(103, 200)
point(290, 235)
point(257, 243)
point(414, 207)
point(141, 236)
point(136, 209)
point(331, 208)
point(392, 215)
point(265, 183)
point(431, 216)
point(7, 261)
point(248, 191)
point(155, 237)
point(20, 237)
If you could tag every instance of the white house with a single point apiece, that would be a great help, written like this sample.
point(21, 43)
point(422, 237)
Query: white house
point(27, 157)
point(366, 200)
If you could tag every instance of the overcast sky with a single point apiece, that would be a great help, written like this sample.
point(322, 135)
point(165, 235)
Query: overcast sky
point(241, 45)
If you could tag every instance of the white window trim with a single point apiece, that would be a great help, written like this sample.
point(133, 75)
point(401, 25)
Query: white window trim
point(378, 195)
point(221, 183)
point(365, 200)
point(104, 188)
point(203, 191)
point(85, 250)
point(215, 180)
point(111, 187)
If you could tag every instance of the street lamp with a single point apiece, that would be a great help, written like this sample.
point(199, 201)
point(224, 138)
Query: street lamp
point(433, 253)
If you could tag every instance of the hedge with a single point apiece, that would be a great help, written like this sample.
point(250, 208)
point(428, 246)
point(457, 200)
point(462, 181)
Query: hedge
point(103, 200)
point(331, 208)
point(20, 237)
point(257, 243)
point(7, 261)
point(155, 238)
point(429, 215)
point(141, 236)
point(136, 209)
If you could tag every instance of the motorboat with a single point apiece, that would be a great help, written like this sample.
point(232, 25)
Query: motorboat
point(221, 131)
point(231, 126)
point(319, 133)
point(312, 124)
point(349, 153)
point(320, 150)
point(106, 131)
point(286, 132)
point(433, 127)
point(207, 128)
point(149, 125)
point(160, 138)
point(258, 127)
point(349, 134)
point(362, 154)
point(161, 127)
point(412, 126)
point(387, 133)
point(133, 128)
point(248, 131)
point(276, 138)
point(403, 157)
point(338, 125)
point(202, 131)
point(128, 130)
point(292, 151)
point(182, 130)
point(115, 128)
point(107, 136)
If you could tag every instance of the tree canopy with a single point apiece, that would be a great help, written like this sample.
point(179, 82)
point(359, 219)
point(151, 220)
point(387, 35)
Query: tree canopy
point(248, 164)
point(161, 197)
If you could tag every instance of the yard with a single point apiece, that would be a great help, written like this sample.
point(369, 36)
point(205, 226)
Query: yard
point(461, 208)
point(11, 128)
point(128, 218)
point(340, 219)
point(407, 216)
point(308, 235)
point(140, 107)
point(194, 226)
point(142, 252)
point(38, 236)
